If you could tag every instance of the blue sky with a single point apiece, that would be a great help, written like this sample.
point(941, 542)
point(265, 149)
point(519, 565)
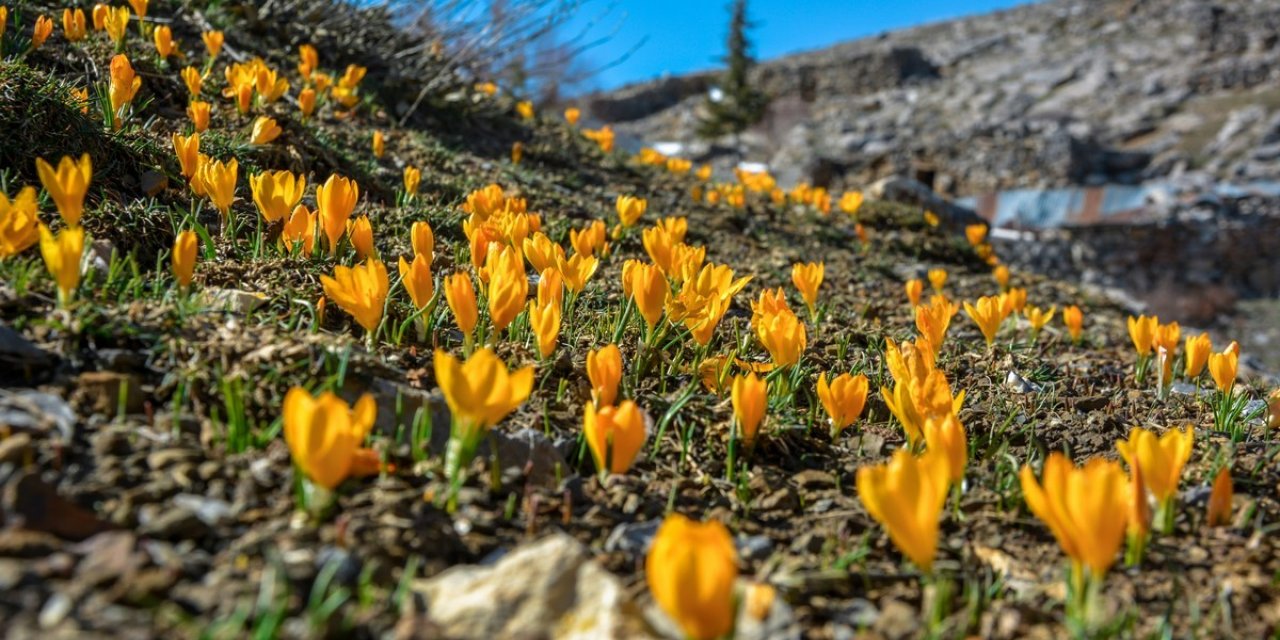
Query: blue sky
point(688, 35)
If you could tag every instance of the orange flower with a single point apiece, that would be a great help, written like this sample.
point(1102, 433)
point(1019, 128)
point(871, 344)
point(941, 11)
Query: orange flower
point(1073, 318)
point(183, 258)
point(750, 398)
point(937, 279)
point(1198, 350)
point(417, 280)
point(604, 370)
point(615, 435)
point(691, 569)
point(630, 208)
point(807, 278)
point(300, 228)
point(41, 31)
point(914, 288)
point(212, 42)
point(1222, 366)
point(1142, 330)
point(324, 434)
point(360, 232)
point(648, 287)
point(461, 297)
point(165, 47)
point(843, 399)
point(988, 314)
point(906, 496)
point(360, 291)
point(1218, 513)
point(508, 286)
point(423, 240)
point(1084, 507)
point(335, 200)
point(198, 112)
point(544, 319)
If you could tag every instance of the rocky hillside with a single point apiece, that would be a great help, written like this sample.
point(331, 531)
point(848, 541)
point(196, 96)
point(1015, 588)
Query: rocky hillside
point(1067, 92)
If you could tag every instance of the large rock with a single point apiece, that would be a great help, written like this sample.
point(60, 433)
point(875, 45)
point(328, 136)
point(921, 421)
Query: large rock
point(547, 589)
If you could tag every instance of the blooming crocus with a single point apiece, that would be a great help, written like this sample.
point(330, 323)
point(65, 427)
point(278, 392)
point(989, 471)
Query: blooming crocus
point(417, 280)
point(276, 193)
point(481, 391)
point(1222, 366)
point(1073, 318)
point(1197, 355)
point(423, 240)
point(1084, 507)
point(544, 319)
point(62, 258)
point(335, 200)
point(783, 336)
point(906, 496)
point(750, 398)
point(1161, 461)
point(187, 148)
point(184, 257)
point(1142, 330)
point(1014, 300)
point(588, 240)
point(1001, 275)
point(198, 112)
point(265, 130)
point(541, 252)
point(41, 31)
point(73, 24)
point(1138, 517)
point(946, 436)
point(139, 7)
point(163, 38)
point(19, 225)
point(124, 86)
point(300, 228)
point(630, 208)
point(649, 288)
point(508, 286)
point(1167, 337)
point(67, 185)
point(1038, 318)
point(988, 314)
point(99, 15)
point(691, 569)
point(933, 320)
point(218, 180)
point(937, 279)
point(116, 21)
point(307, 102)
point(1218, 513)
point(379, 144)
point(360, 232)
point(525, 109)
point(212, 42)
point(461, 297)
point(412, 178)
point(360, 291)
point(975, 233)
point(324, 434)
point(615, 435)
point(604, 370)
point(914, 288)
point(577, 270)
point(308, 60)
point(843, 398)
point(193, 80)
point(572, 115)
point(807, 278)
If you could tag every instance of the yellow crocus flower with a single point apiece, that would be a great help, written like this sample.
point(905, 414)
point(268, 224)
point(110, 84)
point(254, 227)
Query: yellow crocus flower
point(360, 291)
point(73, 24)
point(914, 288)
point(577, 270)
point(1073, 318)
point(988, 314)
point(212, 42)
point(1038, 318)
point(937, 279)
point(124, 86)
point(1084, 507)
point(19, 224)
point(163, 38)
point(461, 297)
point(417, 280)
point(604, 370)
point(1161, 459)
point(843, 398)
point(508, 286)
point(544, 319)
point(116, 21)
point(187, 148)
point(1142, 330)
point(360, 232)
point(630, 208)
point(62, 255)
point(300, 228)
point(67, 185)
point(808, 278)
point(750, 399)
point(649, 288)
point(691, 569)
point(335, 200)
point(946, 436)
point(218, 181)
point(615, 435)
point(481, 391)
point(412, 178)
point(324, 434)
point(198, 112)
point(423, 240)
point(783, 336)
point(572, 115)
point(265, 131)
point(906, 496)
point(1223, 366)
point(183, 259)
point(1198, 350)
point(277, 193)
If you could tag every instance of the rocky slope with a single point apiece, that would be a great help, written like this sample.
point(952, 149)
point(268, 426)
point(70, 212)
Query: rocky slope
point(1067, 92)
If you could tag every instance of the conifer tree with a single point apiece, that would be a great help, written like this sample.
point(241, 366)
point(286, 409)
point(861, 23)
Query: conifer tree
point(740, 104)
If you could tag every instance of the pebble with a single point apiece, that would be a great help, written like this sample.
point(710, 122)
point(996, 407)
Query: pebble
point(55, 610)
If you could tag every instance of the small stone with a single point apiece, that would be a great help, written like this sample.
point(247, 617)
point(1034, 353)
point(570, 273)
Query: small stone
point(813, 479)
point(784, 499)
point(175, 524)
point(631, 538)
point(55, 610)
point(210, 511)
point(1020, 384)
point(36, 412)
point(165, 458)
